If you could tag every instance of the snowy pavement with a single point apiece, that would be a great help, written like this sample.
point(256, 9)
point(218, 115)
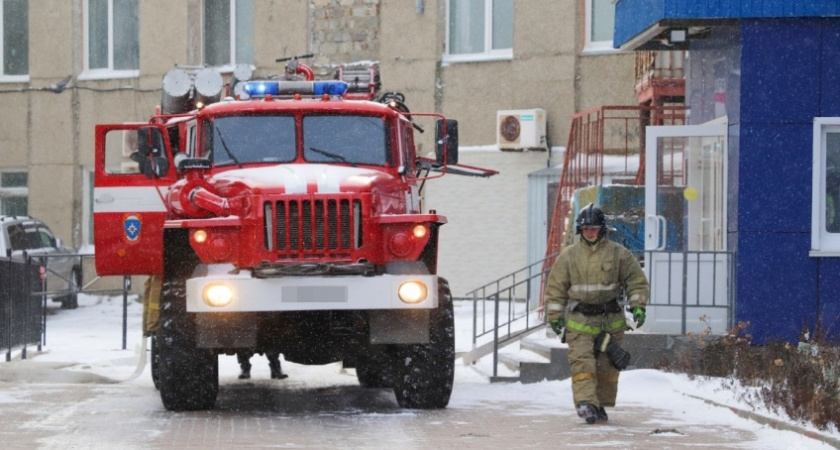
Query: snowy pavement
point(84, 391)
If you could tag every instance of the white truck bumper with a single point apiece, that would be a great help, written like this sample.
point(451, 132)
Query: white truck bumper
point(310, 293)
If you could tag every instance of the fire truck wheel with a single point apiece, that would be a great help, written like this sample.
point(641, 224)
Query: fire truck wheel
point(188, 377)
point(375, 368)
point(428, 370)
point(155, 362)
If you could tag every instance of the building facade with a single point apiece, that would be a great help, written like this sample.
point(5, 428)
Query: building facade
point(769, 72)
point(69, 65)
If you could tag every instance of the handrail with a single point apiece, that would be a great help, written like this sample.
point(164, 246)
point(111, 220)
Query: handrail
point(516, 311)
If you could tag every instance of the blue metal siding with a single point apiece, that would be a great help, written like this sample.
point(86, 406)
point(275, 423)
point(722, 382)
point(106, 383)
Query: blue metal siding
point(780, 70)
point(775, 180)
point(634, 16)
point(828, 294)
point(830, 77)
point(776, 285)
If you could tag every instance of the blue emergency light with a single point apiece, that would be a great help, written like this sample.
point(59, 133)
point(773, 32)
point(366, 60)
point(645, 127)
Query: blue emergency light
point(273, 87)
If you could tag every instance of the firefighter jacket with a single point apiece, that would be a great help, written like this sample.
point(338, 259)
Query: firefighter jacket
point(594, 275)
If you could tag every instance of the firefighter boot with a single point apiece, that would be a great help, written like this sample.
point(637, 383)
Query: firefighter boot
point(276, 372)
point(601, 416)
point(246, 371)
point(588, 412)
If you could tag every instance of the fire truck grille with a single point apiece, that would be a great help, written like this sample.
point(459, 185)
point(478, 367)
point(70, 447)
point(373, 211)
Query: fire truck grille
point(315, 227)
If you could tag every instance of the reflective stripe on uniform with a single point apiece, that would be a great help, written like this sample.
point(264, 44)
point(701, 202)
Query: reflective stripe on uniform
point(583, 376)
point(554, 307)
point(593, 287)
point(582, 328)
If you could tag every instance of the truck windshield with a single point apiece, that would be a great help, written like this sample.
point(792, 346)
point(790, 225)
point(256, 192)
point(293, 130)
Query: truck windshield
point(249, 139)
point(345, 139)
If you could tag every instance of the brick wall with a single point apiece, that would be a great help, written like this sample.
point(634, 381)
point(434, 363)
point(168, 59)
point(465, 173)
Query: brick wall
point(344, 31)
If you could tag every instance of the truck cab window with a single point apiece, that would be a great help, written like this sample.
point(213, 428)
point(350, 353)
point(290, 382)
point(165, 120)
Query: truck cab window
point(236, 140)
point(347, 139)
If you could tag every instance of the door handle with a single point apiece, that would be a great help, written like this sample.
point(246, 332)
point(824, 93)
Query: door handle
point(104, 198)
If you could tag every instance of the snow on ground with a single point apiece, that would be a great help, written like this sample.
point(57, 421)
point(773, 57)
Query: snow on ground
point(88, 341)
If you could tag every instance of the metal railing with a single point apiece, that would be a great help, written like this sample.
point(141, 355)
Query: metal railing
point(25, 291)
point(505, 310)
point(701, 282)
point(697, 293)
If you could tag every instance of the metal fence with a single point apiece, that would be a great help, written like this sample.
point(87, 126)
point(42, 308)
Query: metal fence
point(25, 294)
point(20, 313)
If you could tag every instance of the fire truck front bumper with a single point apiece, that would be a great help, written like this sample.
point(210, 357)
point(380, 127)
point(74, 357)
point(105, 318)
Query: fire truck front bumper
point(243, 293)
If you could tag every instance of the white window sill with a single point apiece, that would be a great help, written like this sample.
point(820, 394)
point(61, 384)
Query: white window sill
point(824, 253)
point(505, 55)
point(98, 74)
point(14, 78)
point(600, 48)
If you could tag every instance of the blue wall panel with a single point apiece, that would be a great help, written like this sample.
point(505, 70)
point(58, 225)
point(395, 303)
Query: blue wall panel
point(829, 293)
point(776, 285)
point(830, 79)
point(780, 70)
point(774, 177)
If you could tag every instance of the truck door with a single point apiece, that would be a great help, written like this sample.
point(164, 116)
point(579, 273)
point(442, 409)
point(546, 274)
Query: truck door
point(133, 172)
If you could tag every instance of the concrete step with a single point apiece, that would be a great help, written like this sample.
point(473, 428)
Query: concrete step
point(546, 358)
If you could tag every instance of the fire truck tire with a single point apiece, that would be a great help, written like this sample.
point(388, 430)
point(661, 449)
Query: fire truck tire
point(428, 370)
point(155, 362)
point(188, 377)
point(375, 368)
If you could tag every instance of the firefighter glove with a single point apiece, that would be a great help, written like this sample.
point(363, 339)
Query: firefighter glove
point(557, 325)
point(639, 316)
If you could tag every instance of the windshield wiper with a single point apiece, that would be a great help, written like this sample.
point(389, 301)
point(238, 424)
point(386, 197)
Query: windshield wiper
point(332, 155)
point(227, 150)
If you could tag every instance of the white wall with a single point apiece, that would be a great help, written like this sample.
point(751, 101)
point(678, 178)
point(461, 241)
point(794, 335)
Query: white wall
point(486, 236)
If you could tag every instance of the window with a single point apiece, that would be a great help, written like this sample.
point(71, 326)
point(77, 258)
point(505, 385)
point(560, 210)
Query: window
point(14, 194)
point(479, 30)
point(228, 32)
point(112, 38)
point(236, 140)
point(825, 202)
point(600, 21)
point(345, 139)
point(15, 40)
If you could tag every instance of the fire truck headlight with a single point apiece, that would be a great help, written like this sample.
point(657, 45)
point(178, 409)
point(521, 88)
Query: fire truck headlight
point(217, 295)
point(413, 291)
point(200, 236)
point(419, 231)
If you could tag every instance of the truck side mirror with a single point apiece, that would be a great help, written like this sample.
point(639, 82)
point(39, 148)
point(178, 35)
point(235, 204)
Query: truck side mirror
point(151, 154)
point(446, 142)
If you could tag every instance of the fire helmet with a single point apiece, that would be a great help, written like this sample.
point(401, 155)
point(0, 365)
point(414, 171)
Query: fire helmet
point(591, 216)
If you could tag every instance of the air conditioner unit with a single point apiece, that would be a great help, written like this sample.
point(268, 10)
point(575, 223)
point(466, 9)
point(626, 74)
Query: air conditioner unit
point(520, 129)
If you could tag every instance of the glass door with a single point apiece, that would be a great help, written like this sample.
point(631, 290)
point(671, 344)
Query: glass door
point(685, 229)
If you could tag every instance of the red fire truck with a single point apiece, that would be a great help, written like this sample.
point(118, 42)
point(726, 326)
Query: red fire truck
point(283, 217)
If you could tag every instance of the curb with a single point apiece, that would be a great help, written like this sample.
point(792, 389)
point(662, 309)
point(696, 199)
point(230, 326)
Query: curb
point(773, 423)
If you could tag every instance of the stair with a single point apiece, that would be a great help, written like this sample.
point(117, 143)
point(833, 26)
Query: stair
point(542, 357)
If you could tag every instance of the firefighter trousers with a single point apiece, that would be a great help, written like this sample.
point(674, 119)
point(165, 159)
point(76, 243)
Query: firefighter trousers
point(151, 304)
point(594, 379)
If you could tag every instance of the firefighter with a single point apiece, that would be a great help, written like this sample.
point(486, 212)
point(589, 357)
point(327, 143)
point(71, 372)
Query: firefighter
point(582, 296)
point(244, 360)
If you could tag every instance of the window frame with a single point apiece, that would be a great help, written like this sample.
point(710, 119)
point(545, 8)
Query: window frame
point(591, 47)
point(489, 54)
point(108, 72)
point(8, 192)
point(823, 242)
point(4, 78)
point(233, 35)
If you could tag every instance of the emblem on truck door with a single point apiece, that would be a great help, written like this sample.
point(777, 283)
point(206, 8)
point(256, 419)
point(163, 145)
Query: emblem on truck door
point(131, 224)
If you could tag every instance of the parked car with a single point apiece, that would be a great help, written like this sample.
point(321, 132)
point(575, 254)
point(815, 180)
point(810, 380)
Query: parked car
point(62, 266)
